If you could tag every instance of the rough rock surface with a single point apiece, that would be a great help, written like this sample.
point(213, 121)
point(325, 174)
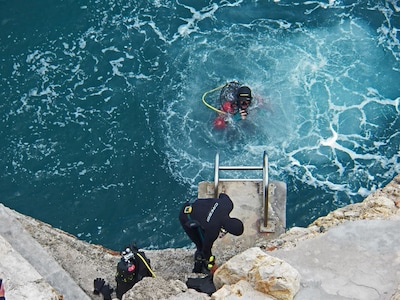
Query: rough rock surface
point(265, 273)
point(383, 204)
point(84, 262)
point(28, 280)
point(238, 291)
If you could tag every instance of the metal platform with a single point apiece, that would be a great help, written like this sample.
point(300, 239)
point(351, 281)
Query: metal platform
point(259, 203)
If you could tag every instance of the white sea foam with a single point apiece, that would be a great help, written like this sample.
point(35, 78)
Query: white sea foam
point(124, 90)
point(314, 67)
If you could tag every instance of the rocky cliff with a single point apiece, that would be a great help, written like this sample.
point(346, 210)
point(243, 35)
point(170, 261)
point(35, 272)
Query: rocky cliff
point(84, 262)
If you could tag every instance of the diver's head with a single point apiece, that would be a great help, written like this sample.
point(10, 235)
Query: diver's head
point(233, 226)
point(244, 97)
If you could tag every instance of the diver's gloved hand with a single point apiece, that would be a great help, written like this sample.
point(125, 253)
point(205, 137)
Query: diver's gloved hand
point(106, 291)
point(98, 284)
point(243, 113)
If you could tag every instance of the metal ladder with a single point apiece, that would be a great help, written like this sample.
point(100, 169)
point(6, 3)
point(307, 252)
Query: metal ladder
point(264, 179)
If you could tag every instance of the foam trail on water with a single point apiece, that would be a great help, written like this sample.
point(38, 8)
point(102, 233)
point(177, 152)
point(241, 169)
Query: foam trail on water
point(318, 114)
point(106, 117)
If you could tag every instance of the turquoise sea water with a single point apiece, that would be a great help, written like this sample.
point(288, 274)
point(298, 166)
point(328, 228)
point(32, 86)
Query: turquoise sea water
point(104, 134)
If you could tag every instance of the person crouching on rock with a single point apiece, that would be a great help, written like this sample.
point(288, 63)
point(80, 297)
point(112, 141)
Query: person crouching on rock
point(203, 220)
point(132, 267)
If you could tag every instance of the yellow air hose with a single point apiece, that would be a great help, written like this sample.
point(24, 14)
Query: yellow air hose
point(203, 98)
point(147, 265)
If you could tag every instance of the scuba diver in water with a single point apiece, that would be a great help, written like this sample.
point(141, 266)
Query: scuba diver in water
point(235, 102)
point(236, 99)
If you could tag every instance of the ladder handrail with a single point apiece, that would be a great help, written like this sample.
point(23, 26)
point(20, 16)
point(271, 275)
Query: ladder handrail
point(264, 168)
point(240, 168)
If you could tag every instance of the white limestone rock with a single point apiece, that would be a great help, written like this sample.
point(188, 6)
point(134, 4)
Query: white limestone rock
point(265, 273)
point(238, 291)
point(20, 279)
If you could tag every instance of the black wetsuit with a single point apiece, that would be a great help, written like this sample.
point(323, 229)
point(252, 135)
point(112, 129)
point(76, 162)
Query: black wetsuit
point(127, 279)
point(206, 219)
